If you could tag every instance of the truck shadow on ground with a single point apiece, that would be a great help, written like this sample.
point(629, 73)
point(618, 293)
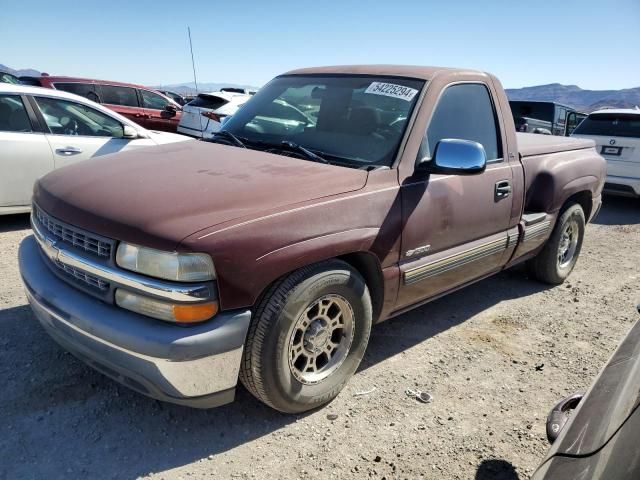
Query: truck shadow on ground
point(409, 329)
point(64, 420)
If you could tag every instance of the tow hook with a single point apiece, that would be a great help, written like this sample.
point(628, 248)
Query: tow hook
point(559, 415)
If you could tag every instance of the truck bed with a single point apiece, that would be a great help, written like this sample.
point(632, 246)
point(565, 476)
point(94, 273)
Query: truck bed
point(530, 144)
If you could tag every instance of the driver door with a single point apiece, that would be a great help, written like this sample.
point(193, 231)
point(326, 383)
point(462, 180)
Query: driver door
point(456, 227)
point(78, 132)
point(157, 117)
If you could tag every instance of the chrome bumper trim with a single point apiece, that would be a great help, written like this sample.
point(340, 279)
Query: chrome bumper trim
point(177, 292)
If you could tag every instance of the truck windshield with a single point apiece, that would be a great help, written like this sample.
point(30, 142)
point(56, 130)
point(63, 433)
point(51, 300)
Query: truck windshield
point(350, 120)
point(610, 125)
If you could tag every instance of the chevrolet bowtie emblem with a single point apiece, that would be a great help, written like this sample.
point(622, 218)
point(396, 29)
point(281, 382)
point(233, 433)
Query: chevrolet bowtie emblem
point(51, 249)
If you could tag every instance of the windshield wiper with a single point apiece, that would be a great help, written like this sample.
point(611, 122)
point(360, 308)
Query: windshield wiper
point(306, 152)
point(228, 136)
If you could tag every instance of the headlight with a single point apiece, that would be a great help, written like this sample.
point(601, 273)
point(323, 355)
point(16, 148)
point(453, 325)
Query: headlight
point(180, 267)
point(170, 312)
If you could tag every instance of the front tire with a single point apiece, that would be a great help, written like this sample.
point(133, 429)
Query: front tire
point(556, 260)
point(308, 336)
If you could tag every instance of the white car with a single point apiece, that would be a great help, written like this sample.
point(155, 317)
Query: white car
point(617, 136)
point(202, 116)
point(43, 129)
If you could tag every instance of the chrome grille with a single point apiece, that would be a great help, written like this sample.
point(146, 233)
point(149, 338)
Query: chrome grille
point(83, 277)
point(73, 236)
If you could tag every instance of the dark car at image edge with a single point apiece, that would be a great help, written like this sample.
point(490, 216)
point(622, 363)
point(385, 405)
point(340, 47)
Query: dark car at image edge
point(598, 433)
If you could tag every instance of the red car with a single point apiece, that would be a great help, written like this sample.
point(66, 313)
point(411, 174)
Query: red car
point(144, 106)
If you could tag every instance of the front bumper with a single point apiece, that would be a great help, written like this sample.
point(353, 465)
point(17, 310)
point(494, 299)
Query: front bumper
point(195, 366)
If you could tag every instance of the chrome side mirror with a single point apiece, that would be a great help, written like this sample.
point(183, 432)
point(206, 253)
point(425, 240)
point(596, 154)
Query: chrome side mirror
point(453, 156)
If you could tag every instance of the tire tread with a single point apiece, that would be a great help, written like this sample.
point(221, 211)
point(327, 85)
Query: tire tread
point(267, 311)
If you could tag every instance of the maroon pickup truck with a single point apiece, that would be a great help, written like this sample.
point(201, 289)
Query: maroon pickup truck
point(334, 199)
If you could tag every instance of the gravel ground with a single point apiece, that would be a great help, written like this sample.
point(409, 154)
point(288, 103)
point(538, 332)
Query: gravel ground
point(476, 351)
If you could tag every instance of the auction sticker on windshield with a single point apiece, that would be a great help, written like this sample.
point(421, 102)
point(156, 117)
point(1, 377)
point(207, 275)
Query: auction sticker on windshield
point(392, 90)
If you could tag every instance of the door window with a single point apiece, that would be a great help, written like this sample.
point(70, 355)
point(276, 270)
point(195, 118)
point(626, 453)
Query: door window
point(70, 118)
point(573, 120)
point(125, 96)
point(87, 90)
point(13, 116)
point(153, 100)
point(562, 114)
point(465, 112)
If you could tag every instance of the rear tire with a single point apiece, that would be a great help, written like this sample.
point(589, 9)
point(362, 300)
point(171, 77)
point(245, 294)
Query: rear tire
point(556, 260)
point(307, 338)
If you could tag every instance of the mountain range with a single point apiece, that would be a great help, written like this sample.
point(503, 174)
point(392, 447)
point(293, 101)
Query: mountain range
point(188, 88)
point(578, 98)
point(25, 72)
point(572, 95)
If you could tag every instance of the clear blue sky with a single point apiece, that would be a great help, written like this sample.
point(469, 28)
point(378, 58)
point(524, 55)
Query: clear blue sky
point(592, 43)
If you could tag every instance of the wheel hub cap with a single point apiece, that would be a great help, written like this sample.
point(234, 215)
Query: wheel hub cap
point(321, 339)
point(316, 337)
point(568, 244)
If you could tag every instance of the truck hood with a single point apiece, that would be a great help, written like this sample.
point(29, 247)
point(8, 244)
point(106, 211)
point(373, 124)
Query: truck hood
point(157, 196)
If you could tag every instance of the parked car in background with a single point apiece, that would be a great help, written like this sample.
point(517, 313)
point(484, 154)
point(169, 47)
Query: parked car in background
point(6, 77)
point(176, 97)
point(203, 115)
point(548, 118)
point(41, 130)
point(266, 254)
point(247, 91)
point(595, 436)
point(143, 105)
point(617, 136)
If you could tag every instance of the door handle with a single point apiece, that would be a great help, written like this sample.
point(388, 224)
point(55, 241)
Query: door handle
point(503, 189)
point(68, 151)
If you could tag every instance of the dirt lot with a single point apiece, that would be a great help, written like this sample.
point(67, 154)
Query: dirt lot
point(475, 351)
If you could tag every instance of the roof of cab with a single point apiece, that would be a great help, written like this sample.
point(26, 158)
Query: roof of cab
point(410, 71)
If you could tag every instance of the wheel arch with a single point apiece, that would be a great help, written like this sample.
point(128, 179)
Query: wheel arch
point(365, 263)
point(582, 198)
